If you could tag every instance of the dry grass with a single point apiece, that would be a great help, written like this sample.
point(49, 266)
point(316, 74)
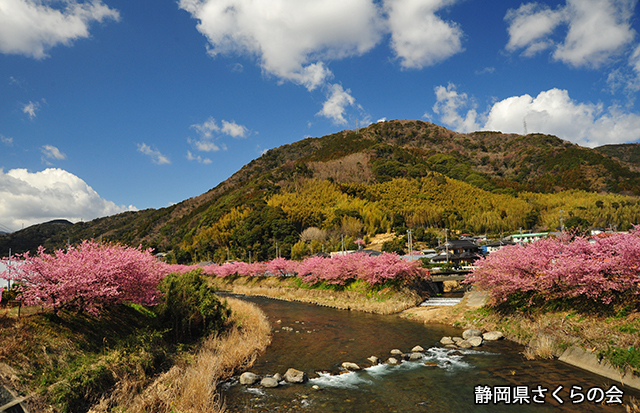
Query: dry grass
point(542, 347)
point(379, 239)
point(192, 387)
point(385, 301)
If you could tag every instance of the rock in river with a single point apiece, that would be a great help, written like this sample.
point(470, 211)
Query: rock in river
point(295, 376)
point(269, 382)
point(493, 335)
point(472, 332)
point(464, 344)
point(373, 360)
point(475, 341)
point(248, 378)
point(415, 356)
point(446, 340)
point(350, 366)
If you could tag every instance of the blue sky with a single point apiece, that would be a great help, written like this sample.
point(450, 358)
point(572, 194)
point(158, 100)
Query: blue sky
point(111, 105)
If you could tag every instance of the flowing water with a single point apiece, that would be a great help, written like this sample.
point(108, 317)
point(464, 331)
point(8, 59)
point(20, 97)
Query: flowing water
point(317, 340)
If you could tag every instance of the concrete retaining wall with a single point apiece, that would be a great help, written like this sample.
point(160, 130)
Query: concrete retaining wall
point(576, 356)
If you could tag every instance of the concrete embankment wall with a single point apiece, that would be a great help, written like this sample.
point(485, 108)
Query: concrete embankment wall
point(589, 361)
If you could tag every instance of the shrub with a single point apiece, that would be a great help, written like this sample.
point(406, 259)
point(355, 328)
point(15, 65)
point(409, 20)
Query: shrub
point(190, 308)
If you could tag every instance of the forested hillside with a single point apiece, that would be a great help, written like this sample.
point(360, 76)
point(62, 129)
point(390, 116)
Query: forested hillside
point(628, 153)
point(389, 176)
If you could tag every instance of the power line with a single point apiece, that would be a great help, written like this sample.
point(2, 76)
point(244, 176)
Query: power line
point(5, 228)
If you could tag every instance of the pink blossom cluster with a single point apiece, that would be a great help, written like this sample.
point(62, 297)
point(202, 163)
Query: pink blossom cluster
point(553, 268)
point(336, 270)
point(235, 268)
point(87, 277)
point(372, 269)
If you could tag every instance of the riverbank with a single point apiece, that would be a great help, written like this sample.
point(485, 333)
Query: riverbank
point(77, 363)
point(357, 296)
point(604, 344)
point(192, 384)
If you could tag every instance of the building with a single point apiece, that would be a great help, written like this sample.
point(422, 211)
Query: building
point(458, 251)
point(496, 245)
point(528, 238)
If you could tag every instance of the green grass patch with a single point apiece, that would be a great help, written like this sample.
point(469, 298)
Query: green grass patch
point(623, 358)
point(72, 359)
point(628, 328)
point(377, 292)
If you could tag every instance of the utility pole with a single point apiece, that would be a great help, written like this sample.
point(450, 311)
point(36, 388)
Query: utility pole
point(446, 244)
point(561, 221)
point(9, 271)
point(410, 242)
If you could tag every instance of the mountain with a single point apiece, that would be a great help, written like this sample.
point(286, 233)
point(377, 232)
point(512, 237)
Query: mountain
point(628, 153)
point(31, 237)
point(481, 181)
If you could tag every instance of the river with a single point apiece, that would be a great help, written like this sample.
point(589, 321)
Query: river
point(443, 381)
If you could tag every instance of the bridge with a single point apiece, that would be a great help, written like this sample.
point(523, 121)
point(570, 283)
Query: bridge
point(438, 279)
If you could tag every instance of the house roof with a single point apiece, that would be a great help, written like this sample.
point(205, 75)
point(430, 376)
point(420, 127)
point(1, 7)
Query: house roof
point(459, 243)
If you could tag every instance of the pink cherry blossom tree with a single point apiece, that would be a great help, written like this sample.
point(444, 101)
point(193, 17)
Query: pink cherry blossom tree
point(599, 268)
point(88, 277)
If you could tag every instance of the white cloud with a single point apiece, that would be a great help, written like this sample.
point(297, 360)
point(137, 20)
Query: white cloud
point(551, 112)
point(292, 39)
point(629, 81)
point(29, 198)
point(418, 36)
point(237, 68)
point(51, 152)
point(209, 128)
point(31, 27)
point(6, 140)
point(554, 112)
point(204, 145)
point(30, 109)
point(198, 158)
point(336, 104)
point(154, 154)
point(449, 104)
point(634, 61)
point(485, 71)
point(597, 30)
point(206, 129)
point(234, 130)
point(530, 27)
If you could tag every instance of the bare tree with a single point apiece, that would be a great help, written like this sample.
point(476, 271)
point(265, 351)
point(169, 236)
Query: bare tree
point(313, 234)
